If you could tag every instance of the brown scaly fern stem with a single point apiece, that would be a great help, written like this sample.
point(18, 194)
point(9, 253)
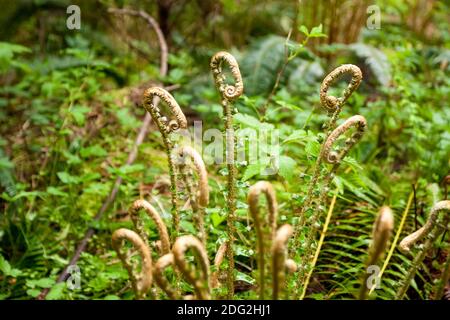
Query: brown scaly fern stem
point(382, 230)
point(333, 106)
point(335, 158)
point(229, 93)
point(154, 215)
point(199, 282)
point(161, 265)
point(142, 281)
point(199, 201)
point(265, 228)
point(279, 262)
point(430, 231)
point(166, 127)
point(314, 201)
point(220, 255)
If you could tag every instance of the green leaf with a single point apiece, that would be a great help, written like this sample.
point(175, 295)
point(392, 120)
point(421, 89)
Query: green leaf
point(33, 292)
point(95, 150)
point(297, 135)
point(41, 283)
point(316, 32)
point(78, 112)
point(216, 217)
point(287, 166)
point(56, 292)
point(66, 178)
point(56, 192)
point(6, 269)
point(303, 29)
point(312, 147)
point(240, 276)
point(5, 163)
point(252, 170)
point(252, 122)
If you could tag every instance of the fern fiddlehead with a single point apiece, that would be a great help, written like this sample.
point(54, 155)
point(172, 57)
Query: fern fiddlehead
point(161, 265)
point(166, 127)
point(382, 229)
point(199, 201)
point(265, 230)
point(335, 158)
point(279, 262)
point(154, 215)
point(142, 281)
point(333, 106)
point(430, 231)
point(199, 282)
point(218, 259)
point(229, 93)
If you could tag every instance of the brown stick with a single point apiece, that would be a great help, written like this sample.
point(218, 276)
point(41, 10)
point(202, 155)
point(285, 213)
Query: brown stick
point(132, 155)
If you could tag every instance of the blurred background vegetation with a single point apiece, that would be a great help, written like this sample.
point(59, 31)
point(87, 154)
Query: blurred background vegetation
point(70, 111)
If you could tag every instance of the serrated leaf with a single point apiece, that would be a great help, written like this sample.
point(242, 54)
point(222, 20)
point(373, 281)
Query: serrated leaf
point(252, 170)
point(287, 166)
point(56, 292)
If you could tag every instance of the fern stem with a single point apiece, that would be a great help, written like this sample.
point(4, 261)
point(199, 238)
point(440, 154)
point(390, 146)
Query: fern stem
point(396, 237)
point(166, 127)
point(229, 93)
point(319, 246)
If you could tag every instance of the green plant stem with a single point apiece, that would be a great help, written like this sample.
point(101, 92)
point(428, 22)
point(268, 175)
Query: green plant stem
point(443, 281)
point(231, 199)
point(431, 238)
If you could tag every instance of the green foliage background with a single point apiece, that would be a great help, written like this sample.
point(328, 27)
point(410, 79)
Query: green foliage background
point(68, 122)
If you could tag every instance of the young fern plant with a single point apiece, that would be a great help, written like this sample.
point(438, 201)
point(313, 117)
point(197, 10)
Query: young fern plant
point(335, 159)
point(198, 200)
point(218, 260)
point(280, 263)
point(434, 226)
point(271, 243)
point(313, 204)
point(160, 267)
point(265, 228)
point(153, 214)
point(141, 281)
point(382, 230)
point(333, 106)
point(167, 127)
point(200, 278)
point(229, 93)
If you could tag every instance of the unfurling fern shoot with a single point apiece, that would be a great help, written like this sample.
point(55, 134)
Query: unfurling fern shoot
point(167, 127)
point(161, 265)
point(229, 93)
point(382, 229)
point(333, 106)
point(154, 215)
point(199, 279)
point(140, 281)
point(430, 231)
point(199, 200)
point(280, 263)
point(265, 228)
